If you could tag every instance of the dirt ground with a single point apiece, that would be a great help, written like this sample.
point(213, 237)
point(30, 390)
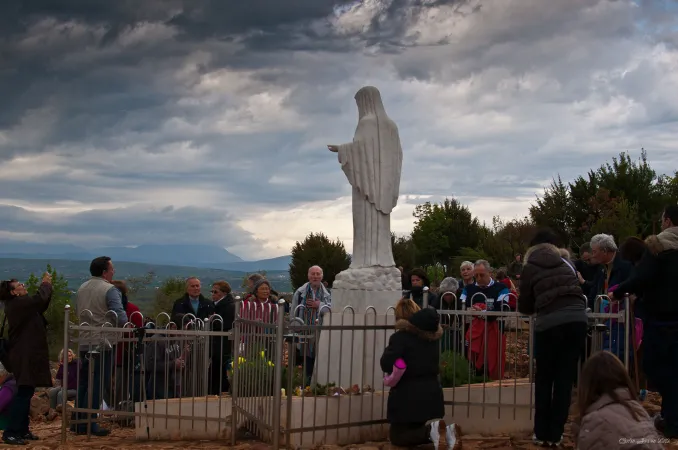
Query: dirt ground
point(123, 438)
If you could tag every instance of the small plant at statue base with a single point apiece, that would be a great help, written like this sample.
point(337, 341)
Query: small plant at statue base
point(456, 371)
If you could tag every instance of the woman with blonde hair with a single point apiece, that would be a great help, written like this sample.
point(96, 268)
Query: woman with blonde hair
point(56, 394)
point(405, 308)
point(610, 415)
point(415, 404)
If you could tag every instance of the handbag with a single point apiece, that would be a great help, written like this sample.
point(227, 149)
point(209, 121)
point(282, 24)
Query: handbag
point(4, 346)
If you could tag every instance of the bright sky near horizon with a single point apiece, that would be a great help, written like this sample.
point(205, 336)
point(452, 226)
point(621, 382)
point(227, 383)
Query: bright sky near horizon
point(180, 121)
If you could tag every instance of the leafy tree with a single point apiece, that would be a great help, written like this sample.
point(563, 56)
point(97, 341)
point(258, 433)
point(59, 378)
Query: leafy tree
point(553, 210)
point(634, 192)
point(170, 290)
point(615, 216)
point(317, 249)
point(441, 231)
point(467, 254)
point(506, 239)
point(61, 296)
point(137, 284)
point(638, 183)
point(404, 251)
point(435, 274)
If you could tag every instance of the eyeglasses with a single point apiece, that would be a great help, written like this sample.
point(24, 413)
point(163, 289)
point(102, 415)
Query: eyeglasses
point(215, 291)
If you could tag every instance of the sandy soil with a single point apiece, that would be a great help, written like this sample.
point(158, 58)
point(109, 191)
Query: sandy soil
point(123, 438)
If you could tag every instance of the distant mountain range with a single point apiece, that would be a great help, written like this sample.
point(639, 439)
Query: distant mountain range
point(191, 255)
point(75, 272)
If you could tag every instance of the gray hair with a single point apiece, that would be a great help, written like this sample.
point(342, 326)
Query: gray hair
point(466, 264)
point(316, 267)
point(604, 242)
point(484, 263)
point(448, 284)
point(3, 371)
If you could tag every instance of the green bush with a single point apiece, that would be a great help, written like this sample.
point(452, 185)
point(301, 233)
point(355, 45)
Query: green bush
point(255, 373)
point(297, 378)
point(456, 371)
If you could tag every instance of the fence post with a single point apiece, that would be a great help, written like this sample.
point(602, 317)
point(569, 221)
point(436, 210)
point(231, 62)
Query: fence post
point(206, 359)
point(627, 331)
point(277, 383)
point(234, 386)
point(64, 401)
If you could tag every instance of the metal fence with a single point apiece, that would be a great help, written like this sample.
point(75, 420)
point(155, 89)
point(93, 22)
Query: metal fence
point(298, 379)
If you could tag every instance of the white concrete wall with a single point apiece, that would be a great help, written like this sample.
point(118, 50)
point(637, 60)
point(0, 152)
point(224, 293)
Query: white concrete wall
point(190, 424)
point(352, 357)
point(513, 415)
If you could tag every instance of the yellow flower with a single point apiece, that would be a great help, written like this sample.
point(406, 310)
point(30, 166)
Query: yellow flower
point(270, 364)
point(262, 354)
point(241, 360)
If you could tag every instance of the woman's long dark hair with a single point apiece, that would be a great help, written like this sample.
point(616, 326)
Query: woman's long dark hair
point(602, 375)
point(6, 289)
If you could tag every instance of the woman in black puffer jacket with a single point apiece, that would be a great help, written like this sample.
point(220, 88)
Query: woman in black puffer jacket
point(416, 403)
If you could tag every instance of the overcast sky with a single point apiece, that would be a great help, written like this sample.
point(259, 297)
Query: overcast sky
point(128, 122)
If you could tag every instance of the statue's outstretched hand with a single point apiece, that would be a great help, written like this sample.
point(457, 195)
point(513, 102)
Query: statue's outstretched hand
point(333, 148)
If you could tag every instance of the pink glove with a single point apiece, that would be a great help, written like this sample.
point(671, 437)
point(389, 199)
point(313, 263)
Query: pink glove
point(392, 379)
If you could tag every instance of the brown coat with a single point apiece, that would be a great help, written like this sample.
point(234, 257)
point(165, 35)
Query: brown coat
point(29, 354)
point(608, 425)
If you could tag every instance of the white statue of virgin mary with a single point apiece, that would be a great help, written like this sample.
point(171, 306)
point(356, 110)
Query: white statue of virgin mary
point(372, 164)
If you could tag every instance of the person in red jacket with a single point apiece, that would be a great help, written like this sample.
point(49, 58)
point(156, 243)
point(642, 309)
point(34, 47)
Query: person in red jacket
point(503, 278)
point(126, 380)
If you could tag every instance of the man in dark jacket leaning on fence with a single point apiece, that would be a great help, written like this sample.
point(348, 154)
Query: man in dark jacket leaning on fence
point(655, 278)
point(549, 287)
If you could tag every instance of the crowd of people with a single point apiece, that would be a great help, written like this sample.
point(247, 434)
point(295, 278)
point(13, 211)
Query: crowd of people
point(546, 283)
point(558, 292)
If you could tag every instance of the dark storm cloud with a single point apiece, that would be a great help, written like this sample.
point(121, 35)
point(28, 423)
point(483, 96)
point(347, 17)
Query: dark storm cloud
point(257, 20)
point(120, 102)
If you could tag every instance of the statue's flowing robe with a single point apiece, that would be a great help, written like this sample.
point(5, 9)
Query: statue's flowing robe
point(372, 163)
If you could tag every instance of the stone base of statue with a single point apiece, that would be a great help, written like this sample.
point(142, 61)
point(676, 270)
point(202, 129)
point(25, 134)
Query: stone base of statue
point(361, 298)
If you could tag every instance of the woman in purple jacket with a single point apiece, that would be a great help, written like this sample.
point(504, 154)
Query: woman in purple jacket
point(56, 394)
point(7, 392)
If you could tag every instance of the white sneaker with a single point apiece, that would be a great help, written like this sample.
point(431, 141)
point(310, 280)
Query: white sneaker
point(435, 433)
point(536, 441)
point(451, 436)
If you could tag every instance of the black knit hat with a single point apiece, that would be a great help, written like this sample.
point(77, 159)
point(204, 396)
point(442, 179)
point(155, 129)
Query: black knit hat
point(426, 320)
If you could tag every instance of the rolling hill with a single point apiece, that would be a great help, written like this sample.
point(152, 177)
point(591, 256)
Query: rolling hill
point(185, 255)
point(76, 272)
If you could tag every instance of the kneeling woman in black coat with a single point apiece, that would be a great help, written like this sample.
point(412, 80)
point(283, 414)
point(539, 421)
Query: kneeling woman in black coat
point(416, 403)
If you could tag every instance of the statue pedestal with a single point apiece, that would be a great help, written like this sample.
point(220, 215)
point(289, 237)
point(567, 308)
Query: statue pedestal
point(360, 297)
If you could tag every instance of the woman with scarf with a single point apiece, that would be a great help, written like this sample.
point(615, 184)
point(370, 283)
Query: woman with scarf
point(307, 303)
